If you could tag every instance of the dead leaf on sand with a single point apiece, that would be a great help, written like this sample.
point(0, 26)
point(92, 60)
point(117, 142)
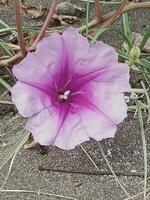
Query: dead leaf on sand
point(32, 11)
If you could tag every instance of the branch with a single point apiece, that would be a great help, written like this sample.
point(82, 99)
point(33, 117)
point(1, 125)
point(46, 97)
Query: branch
point(96, 173)
point(11, 61)
point(46, 23)
point(99, 11)
point(129, 7)
point(19, 27)
point(115, 14)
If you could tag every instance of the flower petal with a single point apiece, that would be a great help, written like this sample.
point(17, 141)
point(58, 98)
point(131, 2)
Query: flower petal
point(50, 49)
point(29, 100)
point(96, 125)
point(44, 128)
point(100, 55)
point(113, 105)
point(114, 80)
point(39, 66)
point(76, 46)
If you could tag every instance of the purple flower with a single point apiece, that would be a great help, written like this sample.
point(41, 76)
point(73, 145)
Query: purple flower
point(74, 91)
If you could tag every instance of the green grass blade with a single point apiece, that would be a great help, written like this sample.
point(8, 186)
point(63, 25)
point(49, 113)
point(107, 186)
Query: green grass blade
point(112, 171)
point(144, 147)
point(144, 40)
point(20, 142)
point(4, 46)
point(126, 29)
point(5, 84)
point(5, 30)
point(7, 26)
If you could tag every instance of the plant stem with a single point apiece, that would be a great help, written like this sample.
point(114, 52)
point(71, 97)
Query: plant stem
point(94, 22)
point(98, 11)
point(127, 8)
point(46, 23)
point(111, 20)
point(19, 27)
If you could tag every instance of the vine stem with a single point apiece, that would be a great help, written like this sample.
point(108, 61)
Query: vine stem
point(98, 11)
point(132, 6)
point(19, 28)
point(46, 23)
point(129, 7)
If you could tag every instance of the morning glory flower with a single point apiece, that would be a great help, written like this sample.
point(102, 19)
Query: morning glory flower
point(71, 90)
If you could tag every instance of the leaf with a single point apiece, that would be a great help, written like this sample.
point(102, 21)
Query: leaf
point(7, 27)
point(31, 10)
point(4, 46)
point(5, 84)
point(144, 145)
point(126, 28)
point(20, 142)
point(145, 43)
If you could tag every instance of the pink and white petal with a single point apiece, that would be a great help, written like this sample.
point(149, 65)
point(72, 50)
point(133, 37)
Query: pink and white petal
point(32, 70)
point(112, 105)
point(39, 66)
point(100, 55)
point(114, 80)
point(71, 134)
point(83, 57)
point(28, 99)
point(45, 125)
point(96, 125)
point(50, 50)
point(76, 46)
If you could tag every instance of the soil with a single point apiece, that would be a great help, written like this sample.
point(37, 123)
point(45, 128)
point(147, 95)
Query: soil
point(124, 151)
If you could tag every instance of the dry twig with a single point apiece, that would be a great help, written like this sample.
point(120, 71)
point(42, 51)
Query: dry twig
point(19, 27)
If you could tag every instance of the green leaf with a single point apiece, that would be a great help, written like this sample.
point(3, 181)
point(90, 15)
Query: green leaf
point(21, 140)
point(112, 171)
point(126, 28)
point(144, 40)
point(4, 46)
point(144, 147)
point(5, 84)
point(8, 27)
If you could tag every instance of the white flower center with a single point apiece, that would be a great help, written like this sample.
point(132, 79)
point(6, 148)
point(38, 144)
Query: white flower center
point(64, 96)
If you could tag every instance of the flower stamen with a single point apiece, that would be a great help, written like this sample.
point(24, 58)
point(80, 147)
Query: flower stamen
point(63, 96)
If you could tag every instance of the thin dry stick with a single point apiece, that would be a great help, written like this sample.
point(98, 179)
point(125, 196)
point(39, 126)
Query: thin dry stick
point(96, 173)
point(147, 98)
point(98, 11)
point(19, 27)
point(46, 23)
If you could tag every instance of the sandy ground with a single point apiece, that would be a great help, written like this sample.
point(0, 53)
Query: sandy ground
point(124, 151)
